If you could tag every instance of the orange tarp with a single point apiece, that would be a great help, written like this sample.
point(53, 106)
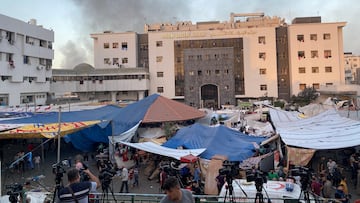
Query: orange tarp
point(46, 130)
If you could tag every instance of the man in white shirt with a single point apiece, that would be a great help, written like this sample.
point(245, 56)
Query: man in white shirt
point(124, 179)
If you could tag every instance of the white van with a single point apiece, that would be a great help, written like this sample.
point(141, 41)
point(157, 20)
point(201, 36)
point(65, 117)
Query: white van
point(276, 190)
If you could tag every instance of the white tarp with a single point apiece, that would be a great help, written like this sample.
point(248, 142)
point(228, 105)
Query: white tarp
point(327, 130)
point(125, 136)
point(164, 151)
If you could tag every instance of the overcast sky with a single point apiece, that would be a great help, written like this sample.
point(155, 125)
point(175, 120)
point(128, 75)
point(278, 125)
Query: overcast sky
point(74, 20)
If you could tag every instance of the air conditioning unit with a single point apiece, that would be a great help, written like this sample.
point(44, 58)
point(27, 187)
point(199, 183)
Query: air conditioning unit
point(39, 67)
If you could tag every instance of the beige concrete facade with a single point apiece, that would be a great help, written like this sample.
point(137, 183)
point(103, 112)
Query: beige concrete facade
point(115, 50)
point(316, 55)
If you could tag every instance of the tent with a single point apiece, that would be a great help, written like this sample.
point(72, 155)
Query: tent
point(115, 120)
point(218, 140)
point(327, 130)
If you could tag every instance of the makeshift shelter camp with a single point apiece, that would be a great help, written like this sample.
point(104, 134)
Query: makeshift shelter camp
point(218, 140)
point(115, 120)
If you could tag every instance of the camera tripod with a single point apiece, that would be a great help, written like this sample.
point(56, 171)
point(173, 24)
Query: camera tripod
point(58, 184)
point(105, 187)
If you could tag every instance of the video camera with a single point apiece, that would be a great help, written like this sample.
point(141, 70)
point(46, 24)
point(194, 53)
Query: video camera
point(106, 173)
point(83, 176)
point(305, 175)
point(14, 191)
point(230, 169)
point(59, 169)
point(258, 176)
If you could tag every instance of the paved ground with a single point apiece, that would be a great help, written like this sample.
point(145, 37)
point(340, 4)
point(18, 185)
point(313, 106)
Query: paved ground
point(12, 176)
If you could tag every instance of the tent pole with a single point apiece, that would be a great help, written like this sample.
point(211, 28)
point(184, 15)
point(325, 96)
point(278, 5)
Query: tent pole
point(42, 151)
point(59, 130)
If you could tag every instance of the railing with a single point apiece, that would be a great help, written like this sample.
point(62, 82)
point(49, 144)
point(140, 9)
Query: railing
point(154, 198)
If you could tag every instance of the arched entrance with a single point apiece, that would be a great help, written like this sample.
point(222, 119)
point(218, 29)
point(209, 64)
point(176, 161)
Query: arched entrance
point(209, 96)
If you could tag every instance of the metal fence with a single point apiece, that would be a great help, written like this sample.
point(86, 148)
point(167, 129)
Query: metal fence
point(155, 198)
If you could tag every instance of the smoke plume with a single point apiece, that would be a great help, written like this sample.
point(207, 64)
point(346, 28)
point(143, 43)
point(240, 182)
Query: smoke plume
point(118, 16)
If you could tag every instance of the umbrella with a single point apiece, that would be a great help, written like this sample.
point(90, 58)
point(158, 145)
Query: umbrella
point(189, 158)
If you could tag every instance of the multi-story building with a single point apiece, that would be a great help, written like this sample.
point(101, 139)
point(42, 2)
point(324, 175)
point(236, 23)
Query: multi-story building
point(315, 54)
point(252, 55)
point(111, 84)
point(352, 63)
point(213, 63)
point(208, 64)
point(120, 72)
point(26, 56)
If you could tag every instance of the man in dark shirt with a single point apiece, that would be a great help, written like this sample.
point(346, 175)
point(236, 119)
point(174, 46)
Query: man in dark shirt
point(78, 191)
point(175, 194)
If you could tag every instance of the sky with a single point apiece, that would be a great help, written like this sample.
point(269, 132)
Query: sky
point(74, 20)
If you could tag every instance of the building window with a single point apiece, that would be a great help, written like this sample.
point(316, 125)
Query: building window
point(302, 86)
point(262, 71)
point(178, 59)
point(227, 87)
point(160, 74)
point(116, 61)
point(262, 55)
point(81, 82)
point(107, 61)
point(316, 86)
point(208, 72)
point(328, 69)
point(124, 46)
point(199, 57)
point(263, 87)
point(314, 54)
point(329, 84)
point(159, 59)
point(301, 54)
point(327, 36)
point(217, 72)
point(261, 40)
point(315, 69)
point(199, 73)
point(191, 73)
point(191, 88)
point(159, 43)
point(27, 60)
point(300, 38)
point(207, 57)
point(115, 45)
point(160, 89)
point(313, 37)
point(302, 70)
point(226, 71)
point(124, 60)
point(327, 54)
point(191, 57)
point(106, 45)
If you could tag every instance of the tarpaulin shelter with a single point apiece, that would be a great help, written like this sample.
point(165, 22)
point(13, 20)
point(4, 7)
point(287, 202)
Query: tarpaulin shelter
point(327, 130)
point(218, 140)
point(50, 130)
point(115, 120)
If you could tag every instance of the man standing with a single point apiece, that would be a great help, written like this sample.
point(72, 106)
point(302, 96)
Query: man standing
point(124, 179)
point(174, 194)
point(78, 191)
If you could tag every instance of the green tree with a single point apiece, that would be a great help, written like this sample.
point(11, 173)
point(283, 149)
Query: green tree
point(305, 97)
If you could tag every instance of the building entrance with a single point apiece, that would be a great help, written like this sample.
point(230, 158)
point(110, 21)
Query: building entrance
point(209, 96)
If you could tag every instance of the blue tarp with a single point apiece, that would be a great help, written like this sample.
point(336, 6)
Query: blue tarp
point(219, 140)
point(116, 121)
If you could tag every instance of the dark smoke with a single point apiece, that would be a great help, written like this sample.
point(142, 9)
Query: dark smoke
point(118, 16)
point(74, 54)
